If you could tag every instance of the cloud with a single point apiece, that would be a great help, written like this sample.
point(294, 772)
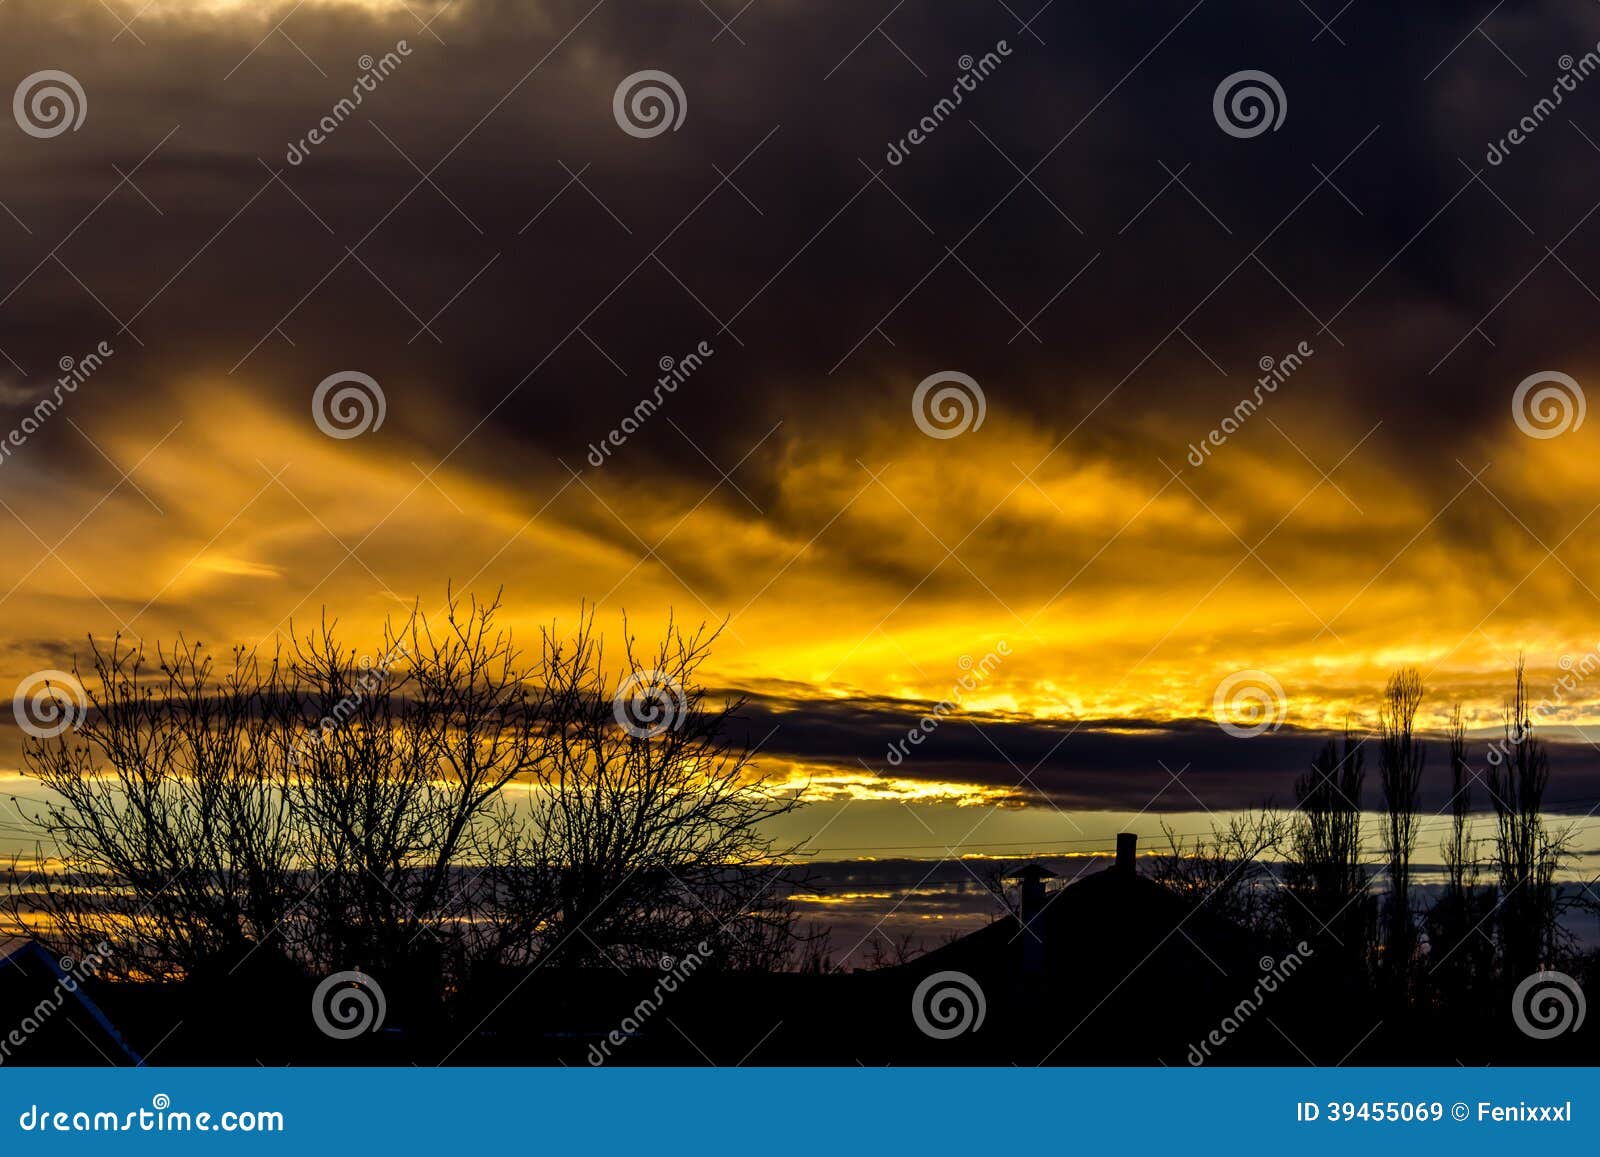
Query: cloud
point(482, 239)
point(1128, 765)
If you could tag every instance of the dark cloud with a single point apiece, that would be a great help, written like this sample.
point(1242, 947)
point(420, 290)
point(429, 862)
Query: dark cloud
point(803, 273)
point(1185, 765)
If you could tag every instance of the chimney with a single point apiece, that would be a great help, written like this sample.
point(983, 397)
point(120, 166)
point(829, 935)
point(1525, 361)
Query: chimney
point(1032, 898)
point(1127, 851)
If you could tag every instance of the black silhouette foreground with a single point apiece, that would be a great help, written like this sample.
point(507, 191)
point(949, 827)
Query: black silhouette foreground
point(455, 854)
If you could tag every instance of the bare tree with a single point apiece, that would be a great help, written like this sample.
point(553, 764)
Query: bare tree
point(323, 801)
point(1225, 872)
point(1402, 756)
point(1461, 958)
point(395, 769)
point(644, 819)
point(176, 843)
point(1527, 853)
point(1325, 881)
point(1459, 849)
point(446, 802)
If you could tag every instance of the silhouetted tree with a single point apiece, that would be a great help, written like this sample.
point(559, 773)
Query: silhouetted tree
point(173, 843)
point(1401, 759)
point(1325, 882)
point(643, 833)
point(1461, 952)
point(1527, 853)
point(1226, 872)
point(446, 803)
point(1458, 848)
point(393, 771)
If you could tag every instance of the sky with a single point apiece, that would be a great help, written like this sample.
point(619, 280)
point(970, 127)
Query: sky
point(1098, 561)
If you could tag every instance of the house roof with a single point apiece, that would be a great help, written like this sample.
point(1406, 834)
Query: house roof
point(1097, 929)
